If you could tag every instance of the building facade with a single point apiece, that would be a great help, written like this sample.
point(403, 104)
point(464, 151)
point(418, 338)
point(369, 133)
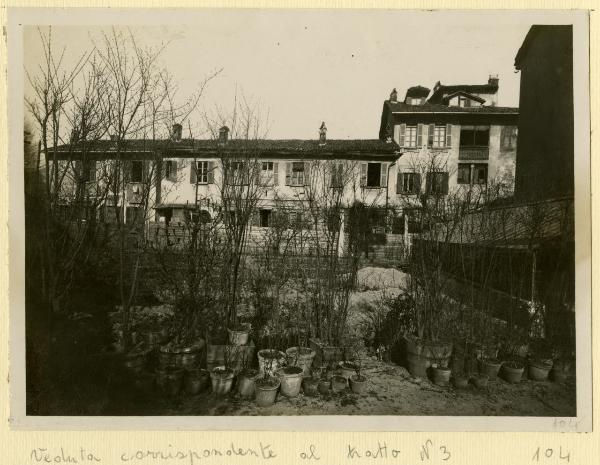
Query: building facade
point(451, 138)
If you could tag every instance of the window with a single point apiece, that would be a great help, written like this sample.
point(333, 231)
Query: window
point(337, 175)
point(268, 173)
point(137, 171)
point(480, 173)
point(509, 138)
point(297, 177)
point(472, 173)
point(202, 172)
point(237, 173)
point(437, 183)
point(89, 171)
point(408, 183)
point(171, 170)
point(464, 101)
point(374, 175)
point(410, 136)
point(265, 218)
point(439, 136)
point(464, 173)
point(474, 136)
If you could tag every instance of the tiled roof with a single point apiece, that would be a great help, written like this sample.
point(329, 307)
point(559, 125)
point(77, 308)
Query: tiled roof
point(439, 90)
point(417, 91)
point(264, 146)
point(400, 107)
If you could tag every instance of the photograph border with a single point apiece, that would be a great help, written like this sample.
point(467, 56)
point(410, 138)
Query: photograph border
point(20, 421)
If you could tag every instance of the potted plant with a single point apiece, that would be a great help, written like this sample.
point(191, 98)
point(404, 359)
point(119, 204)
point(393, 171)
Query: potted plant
point(266, 385)
point(490, 367)
point(310, 385)
point(195, 380)
point(441, 375)
point(238, 336)
point(481, 381)
point(347, 368)
point(512, 371)
point(222, 380)
point(460, 380)
point(358, 382)
point(302, 357)
point(291, 380)
point(169, 380)
point(538, 369)
point(270, 360)
point(338, 383)
point(246, 382)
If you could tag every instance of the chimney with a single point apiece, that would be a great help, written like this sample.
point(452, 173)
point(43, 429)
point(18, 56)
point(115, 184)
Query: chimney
point(223, 134)
point(493, 80)
point(176, 133)
point(322, 134)
point(394, 95)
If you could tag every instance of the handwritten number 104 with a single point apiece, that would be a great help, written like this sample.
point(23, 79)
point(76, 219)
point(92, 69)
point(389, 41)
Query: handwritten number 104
point(546, 454)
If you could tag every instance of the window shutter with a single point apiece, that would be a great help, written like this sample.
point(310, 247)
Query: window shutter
point(417, 181)
point(146, 171)
point(419, 135)
point(402, 136)
point(399, 183)
point(173, 173)
point(126, 166)
point(306, 173)
point(444, 183)
point(363, 174)
point(430, 132)
point(255, 218)
point(275, 173)
point(211, 172)
point(383, 181)
point(193, 175)
point(288, 173)
point(448, 135)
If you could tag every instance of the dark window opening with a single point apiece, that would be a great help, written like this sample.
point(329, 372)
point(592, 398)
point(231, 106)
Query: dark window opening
point(373, 175)
point(265, 218)
point(474, 136)
point(137, 171)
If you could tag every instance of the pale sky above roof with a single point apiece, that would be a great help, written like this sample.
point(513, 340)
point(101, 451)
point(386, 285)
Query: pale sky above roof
point(311, 66)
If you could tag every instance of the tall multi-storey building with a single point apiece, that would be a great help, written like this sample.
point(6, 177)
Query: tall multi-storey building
point(450, 137)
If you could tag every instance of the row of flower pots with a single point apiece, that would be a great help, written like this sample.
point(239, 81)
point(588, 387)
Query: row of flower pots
point(510, 371)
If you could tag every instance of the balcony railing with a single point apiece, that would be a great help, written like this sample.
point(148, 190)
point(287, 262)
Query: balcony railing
point(474, 153)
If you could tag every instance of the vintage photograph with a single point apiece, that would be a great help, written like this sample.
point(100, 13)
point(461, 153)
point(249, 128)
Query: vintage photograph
point(300, 213)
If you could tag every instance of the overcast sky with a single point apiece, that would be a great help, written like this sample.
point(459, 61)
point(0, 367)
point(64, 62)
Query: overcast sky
point(313, 66)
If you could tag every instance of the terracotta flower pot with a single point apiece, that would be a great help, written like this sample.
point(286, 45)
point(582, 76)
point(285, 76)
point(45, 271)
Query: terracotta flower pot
point(338, 383)
point(269, 361)
point(417, 366)
point(324, 386)
point(441, 376)
point(246, 382)
point(358, 384)
point(538, 370)
point(481, 381)
point(490, 367)
point(346, 369)
point(195, 381)
point(512, 371)
point(266, 391)
point(460, 381)
point(310, 386)
point(301, 357)
point(291, 380)
point(169, 380)
point(222, 380)
point(239, 336)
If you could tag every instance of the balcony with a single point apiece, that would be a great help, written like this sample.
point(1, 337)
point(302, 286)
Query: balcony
point(474, 153)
